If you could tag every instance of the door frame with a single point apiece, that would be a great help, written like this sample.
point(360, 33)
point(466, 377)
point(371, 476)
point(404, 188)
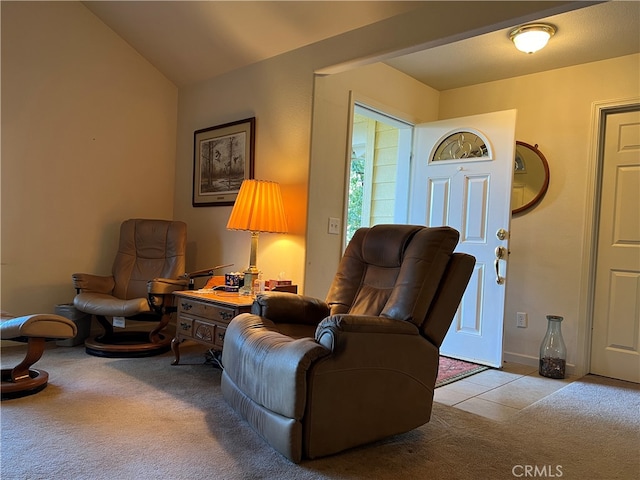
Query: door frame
point(599, 111)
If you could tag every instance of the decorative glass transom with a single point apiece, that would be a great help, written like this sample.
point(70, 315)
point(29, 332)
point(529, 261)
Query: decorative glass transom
point(461, 145)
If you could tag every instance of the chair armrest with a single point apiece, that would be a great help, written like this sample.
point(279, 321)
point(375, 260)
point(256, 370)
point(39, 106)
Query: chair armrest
point(371, 345)
point(282, 307)
point(267, 365)
point(377, 381)
point(159, 293)
point(163, 286)
point(334, 331)
point(87, 282)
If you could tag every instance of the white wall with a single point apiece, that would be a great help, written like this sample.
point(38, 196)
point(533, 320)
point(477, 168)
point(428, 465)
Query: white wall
point(545, 266)
point(88, 140)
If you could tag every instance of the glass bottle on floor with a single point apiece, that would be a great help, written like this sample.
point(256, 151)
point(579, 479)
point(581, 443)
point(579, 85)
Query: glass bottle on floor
point(553, 352)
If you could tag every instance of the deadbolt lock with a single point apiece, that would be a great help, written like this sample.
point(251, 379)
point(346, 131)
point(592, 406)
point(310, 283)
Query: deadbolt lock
point(502, 234)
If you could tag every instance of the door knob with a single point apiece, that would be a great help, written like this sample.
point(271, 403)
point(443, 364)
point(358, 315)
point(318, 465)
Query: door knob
point(502, 234)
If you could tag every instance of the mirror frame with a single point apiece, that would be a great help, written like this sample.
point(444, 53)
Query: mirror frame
point(545, 184)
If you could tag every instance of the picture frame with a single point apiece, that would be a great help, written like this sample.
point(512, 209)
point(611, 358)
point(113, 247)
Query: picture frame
point(223, 156)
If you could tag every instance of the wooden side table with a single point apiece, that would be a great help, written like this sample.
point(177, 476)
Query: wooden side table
point(204, 317)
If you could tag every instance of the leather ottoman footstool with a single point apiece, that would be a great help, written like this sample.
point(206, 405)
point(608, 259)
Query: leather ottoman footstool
point(22, 380)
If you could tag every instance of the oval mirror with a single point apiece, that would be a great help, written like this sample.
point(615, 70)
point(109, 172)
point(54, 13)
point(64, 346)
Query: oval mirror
point(530, 177)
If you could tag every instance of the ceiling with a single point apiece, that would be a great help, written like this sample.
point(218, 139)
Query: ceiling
point(192, 41)
point(597, 32)
point(175, 36)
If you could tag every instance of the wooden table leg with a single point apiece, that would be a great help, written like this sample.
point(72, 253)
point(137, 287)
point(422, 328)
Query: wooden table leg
point(175, 348)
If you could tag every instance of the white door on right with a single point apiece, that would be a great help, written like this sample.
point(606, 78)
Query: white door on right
point(461, 176)
point(615, 341)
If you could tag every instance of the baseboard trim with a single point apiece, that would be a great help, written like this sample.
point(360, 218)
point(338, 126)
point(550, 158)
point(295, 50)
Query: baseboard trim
point(532, 361)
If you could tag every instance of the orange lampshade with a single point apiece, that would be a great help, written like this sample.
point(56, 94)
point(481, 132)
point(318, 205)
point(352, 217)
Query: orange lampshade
point(258, 208)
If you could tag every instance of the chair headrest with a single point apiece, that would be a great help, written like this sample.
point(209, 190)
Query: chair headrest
point(384, 245)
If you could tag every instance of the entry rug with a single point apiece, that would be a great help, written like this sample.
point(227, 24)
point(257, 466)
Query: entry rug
point(451, 370)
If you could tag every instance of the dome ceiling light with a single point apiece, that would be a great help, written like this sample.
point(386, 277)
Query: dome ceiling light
point(532, 37)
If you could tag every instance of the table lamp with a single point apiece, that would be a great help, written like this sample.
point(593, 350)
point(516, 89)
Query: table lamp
point(258, 208)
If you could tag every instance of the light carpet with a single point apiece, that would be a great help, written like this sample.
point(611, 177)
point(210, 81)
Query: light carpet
point(145, 419)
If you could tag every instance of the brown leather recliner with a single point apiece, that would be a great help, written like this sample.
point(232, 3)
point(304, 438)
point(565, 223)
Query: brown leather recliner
point(315, 378)
point(149, 266)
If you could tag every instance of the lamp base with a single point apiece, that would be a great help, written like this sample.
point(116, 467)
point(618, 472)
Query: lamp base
point(250, 276)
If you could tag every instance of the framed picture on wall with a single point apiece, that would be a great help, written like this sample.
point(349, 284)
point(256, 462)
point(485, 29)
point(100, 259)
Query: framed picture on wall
point(223, 157)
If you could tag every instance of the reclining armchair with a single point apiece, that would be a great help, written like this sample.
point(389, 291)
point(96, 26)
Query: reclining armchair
point(316, 377)
point(148, 268)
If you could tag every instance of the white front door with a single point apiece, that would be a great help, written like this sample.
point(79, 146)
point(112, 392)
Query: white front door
point(461, 177)
point(615, 341)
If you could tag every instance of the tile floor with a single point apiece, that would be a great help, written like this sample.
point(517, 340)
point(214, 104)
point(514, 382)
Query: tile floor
point(499, 394)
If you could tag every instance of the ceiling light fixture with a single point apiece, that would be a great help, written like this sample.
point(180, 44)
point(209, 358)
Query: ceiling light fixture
point(532, 37)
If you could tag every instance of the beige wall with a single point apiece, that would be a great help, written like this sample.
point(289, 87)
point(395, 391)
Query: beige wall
point(88, 140)
point(546, 274)
point(92, 135)
point(281, 152)
point(378, 86)
point(546, 269)
point(279, 92)
point(283, 122)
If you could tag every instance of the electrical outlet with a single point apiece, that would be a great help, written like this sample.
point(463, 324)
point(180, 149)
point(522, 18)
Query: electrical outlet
point(521, 320)
point(119, 322)
point(334, 226)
